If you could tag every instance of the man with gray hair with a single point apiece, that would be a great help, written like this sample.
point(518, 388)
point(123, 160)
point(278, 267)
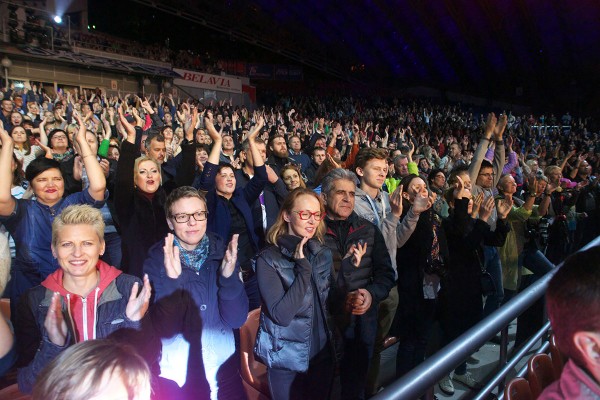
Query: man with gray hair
point(363, 277)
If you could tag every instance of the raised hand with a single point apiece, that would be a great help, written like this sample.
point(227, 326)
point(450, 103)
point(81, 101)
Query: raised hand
point(504, 206)
point(396, 201)
point(228, 263)
point(256, 129)
point(490, 125)
point(460, 191)
point(271, 174)
point(332, 161)
point(5, 138)
point(172, 260)
point(500, 127)
point(139, 302)
point(485, 211)
point(146, 106)
point(421, 202)
point(299, 253)
point(47, 150)
point(105, 165)
point(54, 323)
point(356, 251)
point(477, 201)
point(509, 142)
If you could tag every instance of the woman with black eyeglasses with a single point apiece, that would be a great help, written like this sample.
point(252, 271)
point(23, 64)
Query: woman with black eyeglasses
point(199, 301)
point(294, 278)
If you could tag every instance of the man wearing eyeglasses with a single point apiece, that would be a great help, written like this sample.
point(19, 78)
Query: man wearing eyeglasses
point(364, 277)
point(486, 176)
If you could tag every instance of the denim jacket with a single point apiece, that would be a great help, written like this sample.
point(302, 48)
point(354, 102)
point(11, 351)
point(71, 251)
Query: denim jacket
point(30, 225)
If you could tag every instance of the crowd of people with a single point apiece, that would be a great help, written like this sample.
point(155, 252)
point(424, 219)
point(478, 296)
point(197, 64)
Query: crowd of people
point(161, 222)
point(31, 27)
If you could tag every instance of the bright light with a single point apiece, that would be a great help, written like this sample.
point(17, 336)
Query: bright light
point(57, 19)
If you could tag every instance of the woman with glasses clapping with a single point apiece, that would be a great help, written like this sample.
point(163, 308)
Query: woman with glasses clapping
point(294, 278)
point(199, 301)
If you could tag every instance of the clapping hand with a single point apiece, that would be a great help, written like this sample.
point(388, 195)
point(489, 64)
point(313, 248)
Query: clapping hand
point(504, 206)
point(477, 201)
point(485, 211)
point(139, 302)
point(396, 201)
point(172, 261)
point(54, 323)
point(228, 263)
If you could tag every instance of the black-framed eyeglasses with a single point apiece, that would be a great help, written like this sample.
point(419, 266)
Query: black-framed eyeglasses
point(305, 215)
point(185, 217)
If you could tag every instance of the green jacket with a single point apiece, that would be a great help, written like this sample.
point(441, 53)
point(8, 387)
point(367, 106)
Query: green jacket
point(392, 183)
point(514, 244)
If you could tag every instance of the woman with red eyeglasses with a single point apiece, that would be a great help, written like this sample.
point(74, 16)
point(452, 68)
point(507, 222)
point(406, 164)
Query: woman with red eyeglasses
point(294, 278)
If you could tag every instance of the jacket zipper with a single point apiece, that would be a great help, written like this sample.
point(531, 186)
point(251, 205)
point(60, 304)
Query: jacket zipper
point(85, 324)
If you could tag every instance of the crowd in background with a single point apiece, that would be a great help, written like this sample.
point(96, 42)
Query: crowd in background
point(370, 217)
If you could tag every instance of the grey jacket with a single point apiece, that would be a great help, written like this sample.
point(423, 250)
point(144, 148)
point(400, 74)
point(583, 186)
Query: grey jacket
point(395, 233)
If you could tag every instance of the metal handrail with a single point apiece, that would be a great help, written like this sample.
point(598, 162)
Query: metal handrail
point(416, 382)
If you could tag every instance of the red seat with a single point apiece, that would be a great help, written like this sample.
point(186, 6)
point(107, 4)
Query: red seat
point(5, 308)
point(389, 341)
point(254, 373)
point(12, 393)
point(518, 389)
point(540, 373)
point(558, 358)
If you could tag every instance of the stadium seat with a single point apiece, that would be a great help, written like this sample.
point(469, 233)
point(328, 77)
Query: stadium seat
point(5, 308)
point(518, 389)
point(389, 341)
point(558, 358)
point(254, 373)
point(12, 393)
point(540, 373)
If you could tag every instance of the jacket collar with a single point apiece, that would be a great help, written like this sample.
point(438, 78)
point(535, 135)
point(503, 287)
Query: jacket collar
point(288, 243)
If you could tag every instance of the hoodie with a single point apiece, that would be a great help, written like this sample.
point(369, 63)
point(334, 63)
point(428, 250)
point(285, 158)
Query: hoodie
point(82, 311)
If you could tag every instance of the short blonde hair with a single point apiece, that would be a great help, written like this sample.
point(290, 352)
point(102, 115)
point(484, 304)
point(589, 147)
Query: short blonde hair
point(78, 373)
point(139, 160)
point(280, 226)
point(79, 214)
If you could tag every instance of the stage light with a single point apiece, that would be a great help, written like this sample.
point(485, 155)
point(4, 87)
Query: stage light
point(57, 19)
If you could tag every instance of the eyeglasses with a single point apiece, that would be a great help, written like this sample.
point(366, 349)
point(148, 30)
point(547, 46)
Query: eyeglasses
point(488, 175)
point(185, 217)
point(305, 215)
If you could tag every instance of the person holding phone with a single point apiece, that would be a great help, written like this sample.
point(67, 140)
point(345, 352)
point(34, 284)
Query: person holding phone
point(363, 275)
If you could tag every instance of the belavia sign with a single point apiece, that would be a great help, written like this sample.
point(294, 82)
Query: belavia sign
point(223, 83)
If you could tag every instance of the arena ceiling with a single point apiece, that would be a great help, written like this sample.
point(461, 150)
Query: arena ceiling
point(535, 45)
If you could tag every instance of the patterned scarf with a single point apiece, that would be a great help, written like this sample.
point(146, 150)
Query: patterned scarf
point(194, 259)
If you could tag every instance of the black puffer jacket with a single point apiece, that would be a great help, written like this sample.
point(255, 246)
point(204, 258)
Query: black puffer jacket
point(375, 272)
point(294, 320)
